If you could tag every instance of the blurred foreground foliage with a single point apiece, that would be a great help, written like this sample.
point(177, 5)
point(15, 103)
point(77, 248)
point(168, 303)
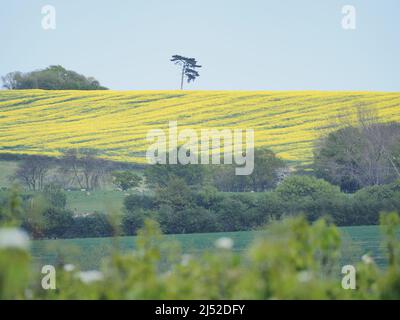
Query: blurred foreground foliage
point(293, 260)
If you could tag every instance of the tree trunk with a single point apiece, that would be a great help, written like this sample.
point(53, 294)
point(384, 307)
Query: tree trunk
point(182, 77)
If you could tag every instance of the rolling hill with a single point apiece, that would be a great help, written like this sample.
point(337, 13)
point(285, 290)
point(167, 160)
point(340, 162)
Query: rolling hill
point(116, 122)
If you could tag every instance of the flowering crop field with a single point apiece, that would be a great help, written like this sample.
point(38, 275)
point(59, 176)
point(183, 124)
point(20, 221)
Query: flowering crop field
point(116, 122)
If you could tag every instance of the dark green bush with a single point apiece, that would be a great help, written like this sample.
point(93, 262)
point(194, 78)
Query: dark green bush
point(90, 226)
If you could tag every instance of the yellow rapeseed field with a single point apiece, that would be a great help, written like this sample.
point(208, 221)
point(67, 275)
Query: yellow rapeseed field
point(116, 122)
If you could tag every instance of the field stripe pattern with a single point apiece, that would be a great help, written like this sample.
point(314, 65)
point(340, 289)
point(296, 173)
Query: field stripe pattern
point(116, 122)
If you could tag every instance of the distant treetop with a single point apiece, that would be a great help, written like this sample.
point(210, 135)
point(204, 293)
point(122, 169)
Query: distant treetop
point(51, 78)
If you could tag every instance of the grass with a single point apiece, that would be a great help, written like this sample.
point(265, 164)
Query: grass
point(89, 202)
point(88, 253)
point(116, 122)
point(7, 169)
point(77, 201)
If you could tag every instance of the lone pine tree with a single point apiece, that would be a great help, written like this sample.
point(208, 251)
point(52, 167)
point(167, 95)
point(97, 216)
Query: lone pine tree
point(188, 68)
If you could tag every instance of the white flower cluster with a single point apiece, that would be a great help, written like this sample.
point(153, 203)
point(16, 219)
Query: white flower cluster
point(90, 276)
point(367, 259)
point(69, 267)
point(13, 238)
point(224, 243)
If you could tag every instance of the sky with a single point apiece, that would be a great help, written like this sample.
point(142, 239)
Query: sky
point(241, 45)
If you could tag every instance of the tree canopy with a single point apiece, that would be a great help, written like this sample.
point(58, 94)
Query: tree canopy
point(51, 78)
point(356, 157)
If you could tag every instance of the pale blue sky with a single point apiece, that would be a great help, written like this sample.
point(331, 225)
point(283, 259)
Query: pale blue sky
point(242, 45)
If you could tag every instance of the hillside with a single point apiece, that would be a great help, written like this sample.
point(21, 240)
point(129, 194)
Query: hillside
point(116, 122)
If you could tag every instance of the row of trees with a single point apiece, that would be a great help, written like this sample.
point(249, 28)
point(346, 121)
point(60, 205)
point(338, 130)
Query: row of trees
point(76, 168)
point(268, 171)
point(83, 169)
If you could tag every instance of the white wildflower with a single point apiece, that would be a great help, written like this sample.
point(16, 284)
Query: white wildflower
point(185, 259)
point(90, 276)
point(28, 294)
point(304, 276)
point(14, 238)
point(166, 274)
point(224, 243)
point(69, 267)
point(367, 259)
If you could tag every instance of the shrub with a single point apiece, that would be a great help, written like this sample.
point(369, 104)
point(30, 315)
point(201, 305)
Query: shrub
point(309, 195)
point(368, 202)
point(187, 220)
point(160, 175)
point(133, 220)
point(135, 201)
point(232, 215)
point(126, 179)
point(56, 222)
point(90, 226)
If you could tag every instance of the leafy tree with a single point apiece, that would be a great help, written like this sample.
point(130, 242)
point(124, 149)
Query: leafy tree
point(175, 194)
point(308, 195)
point(266, 168)
point(136, 201)
point(51, 78)
point(132, 221)
point(232, 215)
point(136, 209)
point(57, 222)
point(159, 175)
point(186, 220)
point(225, 179)
point(356, 157)
point(189, 66)
point(270, 207)
point(208, 198)
point(126, 180)
point(265, 175)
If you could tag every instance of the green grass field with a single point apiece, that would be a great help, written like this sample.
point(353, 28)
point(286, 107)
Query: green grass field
point(100, 201)
point(88, 253)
